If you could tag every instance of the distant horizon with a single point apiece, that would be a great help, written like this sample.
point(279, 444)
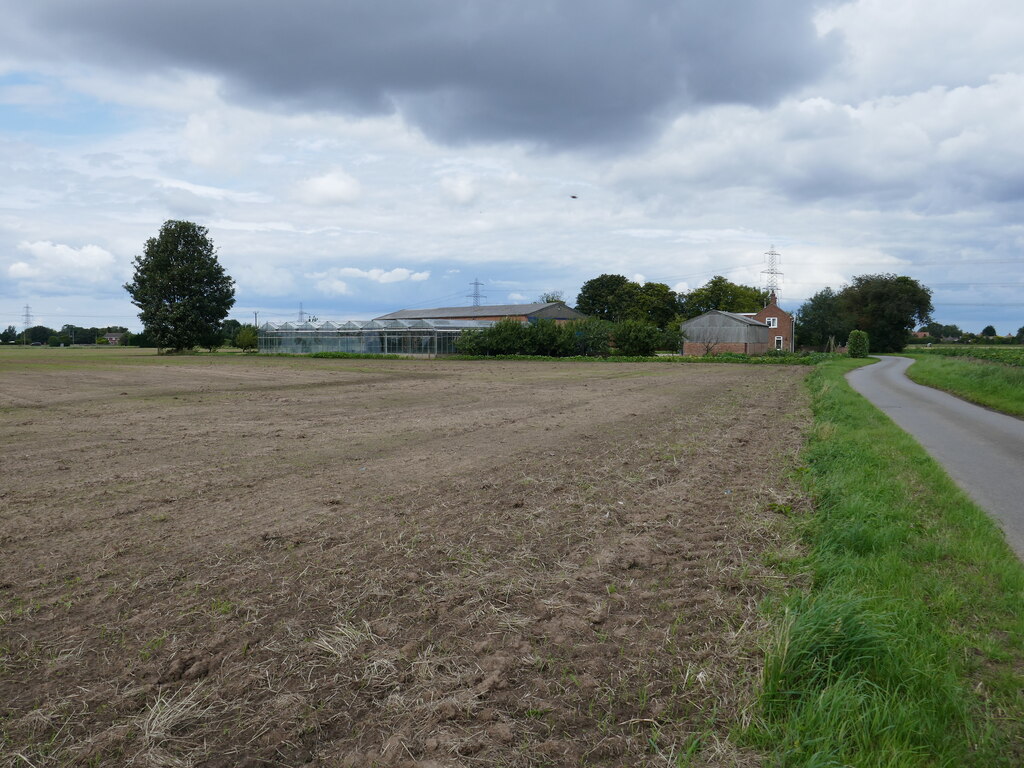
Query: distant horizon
point(281, 317)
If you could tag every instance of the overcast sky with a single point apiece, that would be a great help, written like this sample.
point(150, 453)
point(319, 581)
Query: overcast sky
point(358, 157)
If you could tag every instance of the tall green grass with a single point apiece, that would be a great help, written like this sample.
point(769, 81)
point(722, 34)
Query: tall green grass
point(908, 649)
point(1007, 355)
point(992, 384)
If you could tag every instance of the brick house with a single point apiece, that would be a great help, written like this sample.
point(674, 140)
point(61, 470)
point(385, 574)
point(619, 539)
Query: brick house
point(780, 325)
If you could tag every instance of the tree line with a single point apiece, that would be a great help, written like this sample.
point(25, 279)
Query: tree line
point(232, 333)
point(937, 332)
point(616, 298)
point(592, 337)
point(67, 335)
point(184, 296)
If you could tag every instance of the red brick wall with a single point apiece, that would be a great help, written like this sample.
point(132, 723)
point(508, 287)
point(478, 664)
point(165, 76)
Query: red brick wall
point(520, 318)
point(696, 349)
point(785, 328)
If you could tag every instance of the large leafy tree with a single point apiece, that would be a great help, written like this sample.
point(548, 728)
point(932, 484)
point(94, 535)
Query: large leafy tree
point(818, 320)
point(658, 305)
point(616, 298)
point(180, 288)
point(724, 295)
point(38, 333)
point(608, 297)
point(887, 306)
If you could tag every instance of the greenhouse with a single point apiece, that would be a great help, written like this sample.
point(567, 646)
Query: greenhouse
point(377, 337)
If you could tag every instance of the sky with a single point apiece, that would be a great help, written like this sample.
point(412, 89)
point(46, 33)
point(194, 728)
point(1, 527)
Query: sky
point(351, 158)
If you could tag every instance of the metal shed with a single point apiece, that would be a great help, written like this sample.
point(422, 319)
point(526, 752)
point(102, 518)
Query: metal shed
point(716, 331)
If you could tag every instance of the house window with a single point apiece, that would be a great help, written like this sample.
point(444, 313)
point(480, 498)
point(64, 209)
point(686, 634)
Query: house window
point(773, 322)
point(778, 342)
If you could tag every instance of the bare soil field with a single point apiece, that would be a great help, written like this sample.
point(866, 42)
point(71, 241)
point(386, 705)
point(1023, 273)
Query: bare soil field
point(245, 561)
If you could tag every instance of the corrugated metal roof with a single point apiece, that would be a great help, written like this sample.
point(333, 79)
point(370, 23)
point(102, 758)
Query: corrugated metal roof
point(378, 325)
point(492, 310)
point(734, 315)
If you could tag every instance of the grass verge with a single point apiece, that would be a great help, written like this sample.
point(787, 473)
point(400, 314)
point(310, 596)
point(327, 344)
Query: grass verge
point(908, 649)
point(991, 384)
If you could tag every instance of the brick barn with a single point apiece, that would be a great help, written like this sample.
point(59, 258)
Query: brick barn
point(745, 333)
point(715, 332)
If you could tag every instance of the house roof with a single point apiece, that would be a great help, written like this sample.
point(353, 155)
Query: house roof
point(491, 310)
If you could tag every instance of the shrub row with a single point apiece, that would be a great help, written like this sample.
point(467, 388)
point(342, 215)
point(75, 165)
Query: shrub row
point(579, 338)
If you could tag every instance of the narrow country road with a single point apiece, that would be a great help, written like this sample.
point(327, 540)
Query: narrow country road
point(982, 451)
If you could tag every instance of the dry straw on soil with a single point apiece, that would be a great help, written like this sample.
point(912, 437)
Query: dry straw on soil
point(377, 563)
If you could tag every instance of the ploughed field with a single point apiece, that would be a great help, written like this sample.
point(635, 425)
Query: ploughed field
point(233, 561)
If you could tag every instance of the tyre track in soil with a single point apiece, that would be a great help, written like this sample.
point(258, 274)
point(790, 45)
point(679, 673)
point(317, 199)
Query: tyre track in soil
point(481, 581)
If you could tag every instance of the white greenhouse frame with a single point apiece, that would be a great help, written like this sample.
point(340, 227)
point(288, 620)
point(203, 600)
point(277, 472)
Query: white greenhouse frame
point(427, 338)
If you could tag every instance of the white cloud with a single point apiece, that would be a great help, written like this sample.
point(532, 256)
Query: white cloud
point(646, 234)
point(224, 138)
point(914, 45)
point(396, 275)
point(334, 282)
point(332, 286)
point(264, 279)
point(516, 297)
point(334, 188)
point(213, 193)
point(461, 190)
point(56, 263)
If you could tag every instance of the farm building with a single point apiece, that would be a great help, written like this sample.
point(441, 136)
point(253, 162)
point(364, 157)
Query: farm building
point(718, 331)
point(551, 310)
point(427, 337)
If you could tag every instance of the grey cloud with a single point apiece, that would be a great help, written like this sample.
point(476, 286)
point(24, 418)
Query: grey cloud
point(559, 74)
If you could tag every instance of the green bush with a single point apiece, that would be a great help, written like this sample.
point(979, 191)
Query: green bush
point(636, 338)
point(857, 344)
point(590, 337)
point(550, 339)
point(247, 338)
point(671, 339)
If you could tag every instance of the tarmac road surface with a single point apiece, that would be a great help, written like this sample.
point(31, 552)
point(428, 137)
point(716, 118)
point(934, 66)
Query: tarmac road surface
point(983, 451)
